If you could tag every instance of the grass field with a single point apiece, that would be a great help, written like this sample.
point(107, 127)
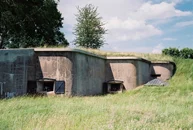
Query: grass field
point(144, 108)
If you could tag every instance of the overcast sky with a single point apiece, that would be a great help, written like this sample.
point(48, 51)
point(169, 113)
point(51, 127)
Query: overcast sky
point(137, 25)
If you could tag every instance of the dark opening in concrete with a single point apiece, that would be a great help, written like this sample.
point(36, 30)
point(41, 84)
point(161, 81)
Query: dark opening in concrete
point(45, 85)
point(48, 86)
point(31, 87)
point(113, 86)
point(155, 75)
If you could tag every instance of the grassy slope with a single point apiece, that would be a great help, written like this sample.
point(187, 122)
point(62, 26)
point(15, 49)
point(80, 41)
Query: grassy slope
point(144, 108)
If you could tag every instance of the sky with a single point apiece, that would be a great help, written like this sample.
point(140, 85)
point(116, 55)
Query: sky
point(146, 26)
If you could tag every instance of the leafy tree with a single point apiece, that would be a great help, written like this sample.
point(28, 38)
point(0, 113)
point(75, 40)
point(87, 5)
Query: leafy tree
point(171, 51)
point(30, 23)
point(186, 53)
point(89, 29)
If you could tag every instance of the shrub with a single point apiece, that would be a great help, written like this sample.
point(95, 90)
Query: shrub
point(186, 53)
point(171, 51)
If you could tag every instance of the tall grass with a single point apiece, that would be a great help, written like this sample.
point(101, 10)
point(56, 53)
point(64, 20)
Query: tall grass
point(143, 108)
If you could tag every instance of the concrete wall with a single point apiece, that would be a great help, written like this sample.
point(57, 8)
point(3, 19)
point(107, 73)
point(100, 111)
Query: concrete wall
point(56, 65)
point(143, 71)
point(88, 74)
point(123, 69)
point(82, 72)
point(16, 68)
point(165, 69)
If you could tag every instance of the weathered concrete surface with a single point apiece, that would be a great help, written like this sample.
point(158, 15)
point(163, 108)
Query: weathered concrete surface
point(83, 73)
point(132, 71)
point(56, 65)
point(143, 72)
point(16, 68)
point(88, 74)
point(165, 69)
point(123, 70)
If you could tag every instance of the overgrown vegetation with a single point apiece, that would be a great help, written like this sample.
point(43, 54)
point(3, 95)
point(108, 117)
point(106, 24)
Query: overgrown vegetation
point(186, 53)
point(143, 108)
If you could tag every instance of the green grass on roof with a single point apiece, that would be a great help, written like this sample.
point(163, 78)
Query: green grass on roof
point(148, 56)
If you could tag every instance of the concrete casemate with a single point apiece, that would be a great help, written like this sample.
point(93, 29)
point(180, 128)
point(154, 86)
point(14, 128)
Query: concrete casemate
point(72, 72)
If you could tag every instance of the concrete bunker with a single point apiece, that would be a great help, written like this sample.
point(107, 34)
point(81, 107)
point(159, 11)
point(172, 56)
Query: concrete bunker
point(74, 72)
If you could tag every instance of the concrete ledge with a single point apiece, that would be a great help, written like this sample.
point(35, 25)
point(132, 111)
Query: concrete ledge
point(83, 52)
point(67, 50)
point(87, 53)
point(17, 49)
point(128, 58)
point(163, 62)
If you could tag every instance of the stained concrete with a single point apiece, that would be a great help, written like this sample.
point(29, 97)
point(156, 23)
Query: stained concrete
point(165, 69)
point(56, 65)
point(83, 73)
point(89, 73)
point(132, 70)
point(123, 70)
point(16, 68)
point(143, 72)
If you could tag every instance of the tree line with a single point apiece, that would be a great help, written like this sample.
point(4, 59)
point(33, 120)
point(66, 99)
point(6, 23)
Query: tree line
point(35, 23)
point(186, 53)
